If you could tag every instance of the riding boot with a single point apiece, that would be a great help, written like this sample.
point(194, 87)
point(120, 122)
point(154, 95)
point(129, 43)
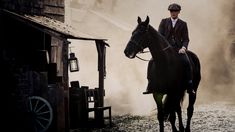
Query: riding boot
point(189, 73)
point(150, 72)
point(149, 89)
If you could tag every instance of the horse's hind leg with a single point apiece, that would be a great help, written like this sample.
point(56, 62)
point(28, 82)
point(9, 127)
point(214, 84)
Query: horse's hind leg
point(160, 115)
point(190, 109)
point(172, 121)
point(179, 113)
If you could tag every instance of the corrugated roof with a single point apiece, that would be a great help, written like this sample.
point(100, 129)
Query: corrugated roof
point(48, 24)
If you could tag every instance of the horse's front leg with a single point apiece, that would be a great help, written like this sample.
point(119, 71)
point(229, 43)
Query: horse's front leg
point(172, 121)
point(190, 109)
point(160, 115)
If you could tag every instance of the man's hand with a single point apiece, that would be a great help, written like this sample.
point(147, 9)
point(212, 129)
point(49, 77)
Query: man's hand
point(182, 50)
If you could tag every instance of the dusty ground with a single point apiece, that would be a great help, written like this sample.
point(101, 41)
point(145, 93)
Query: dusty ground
point(217, 117)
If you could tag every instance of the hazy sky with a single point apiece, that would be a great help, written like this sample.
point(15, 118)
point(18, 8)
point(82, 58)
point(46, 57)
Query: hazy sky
point(209, 22)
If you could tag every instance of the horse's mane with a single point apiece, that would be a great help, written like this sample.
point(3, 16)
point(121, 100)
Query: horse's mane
point(157, 35)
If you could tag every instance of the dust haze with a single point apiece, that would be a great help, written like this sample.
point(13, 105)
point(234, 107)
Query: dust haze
point(211, 32)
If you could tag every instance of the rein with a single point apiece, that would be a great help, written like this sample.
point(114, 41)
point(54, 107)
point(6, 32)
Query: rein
point(142, 52)
point(166, 48)
point(141, 58)
point(149, 51)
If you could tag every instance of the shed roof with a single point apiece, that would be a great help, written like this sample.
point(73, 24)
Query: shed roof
point(48, 25)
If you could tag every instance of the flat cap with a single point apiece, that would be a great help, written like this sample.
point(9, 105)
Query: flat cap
point(174, 7)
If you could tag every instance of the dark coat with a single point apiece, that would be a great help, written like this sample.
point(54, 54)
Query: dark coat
point(180, 32)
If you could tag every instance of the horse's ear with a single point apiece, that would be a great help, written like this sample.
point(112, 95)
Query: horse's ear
point(139, 20)
point(147, 20)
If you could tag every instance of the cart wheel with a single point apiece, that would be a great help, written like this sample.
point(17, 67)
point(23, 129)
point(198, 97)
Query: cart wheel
point(41, 113)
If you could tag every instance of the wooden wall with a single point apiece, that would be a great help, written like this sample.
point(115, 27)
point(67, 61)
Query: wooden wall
point(50, 8)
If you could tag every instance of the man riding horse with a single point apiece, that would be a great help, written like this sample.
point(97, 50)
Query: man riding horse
point(175, 31)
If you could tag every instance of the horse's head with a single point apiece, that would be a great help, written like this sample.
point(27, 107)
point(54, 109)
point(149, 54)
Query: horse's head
point(138, 41)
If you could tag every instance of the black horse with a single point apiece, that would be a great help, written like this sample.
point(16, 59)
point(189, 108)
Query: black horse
point(169, 74)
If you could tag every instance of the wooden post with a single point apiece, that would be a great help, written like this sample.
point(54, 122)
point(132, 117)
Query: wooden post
point(101, 68)
point(101, 48)
point(65, 83)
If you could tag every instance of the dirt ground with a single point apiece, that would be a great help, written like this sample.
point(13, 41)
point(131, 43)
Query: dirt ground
point(216, 117)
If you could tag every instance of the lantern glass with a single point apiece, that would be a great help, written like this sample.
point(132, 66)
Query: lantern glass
point(73, 63)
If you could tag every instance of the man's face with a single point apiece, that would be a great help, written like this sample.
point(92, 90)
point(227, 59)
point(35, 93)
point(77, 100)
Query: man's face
point(174, 14)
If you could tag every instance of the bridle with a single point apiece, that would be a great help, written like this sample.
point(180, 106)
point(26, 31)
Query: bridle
point(141, 48)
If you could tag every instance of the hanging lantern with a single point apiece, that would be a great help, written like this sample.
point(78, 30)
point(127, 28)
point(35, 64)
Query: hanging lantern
point(73, 63)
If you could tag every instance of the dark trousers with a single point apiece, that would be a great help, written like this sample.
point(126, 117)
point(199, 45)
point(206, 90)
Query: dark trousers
point(151, 69)
point(150, 75)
